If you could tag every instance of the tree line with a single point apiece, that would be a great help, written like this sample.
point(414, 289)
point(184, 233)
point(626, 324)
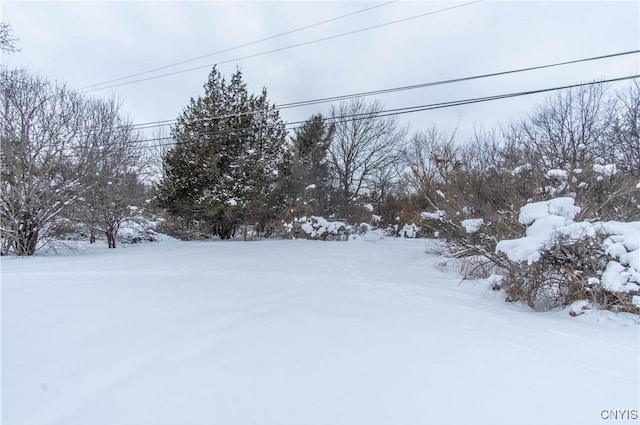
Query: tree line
point(74, 163)
point(233, 168)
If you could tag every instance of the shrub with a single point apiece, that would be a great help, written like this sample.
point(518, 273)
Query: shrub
point(560, 261)
point(315, 227)
point(137, 231)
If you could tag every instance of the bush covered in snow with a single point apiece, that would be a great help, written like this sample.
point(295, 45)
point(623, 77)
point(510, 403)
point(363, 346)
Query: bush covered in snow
point(580, 148)
point(550, 259)
point(137, 230)
point(410, 231)
point(319, 228)
point(560, 261)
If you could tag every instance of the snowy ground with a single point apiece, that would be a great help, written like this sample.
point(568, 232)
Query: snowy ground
point(294, 332)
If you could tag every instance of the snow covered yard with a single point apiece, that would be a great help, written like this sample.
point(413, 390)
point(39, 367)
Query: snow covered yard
point(294, 332)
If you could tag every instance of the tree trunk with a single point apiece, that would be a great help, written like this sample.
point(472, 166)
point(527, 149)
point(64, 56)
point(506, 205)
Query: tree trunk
point(27, 239)
point(6, 246)
point(111, 238)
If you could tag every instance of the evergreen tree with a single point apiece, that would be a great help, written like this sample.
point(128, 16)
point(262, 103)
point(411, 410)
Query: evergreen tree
point(308, 183)
point(222, 171)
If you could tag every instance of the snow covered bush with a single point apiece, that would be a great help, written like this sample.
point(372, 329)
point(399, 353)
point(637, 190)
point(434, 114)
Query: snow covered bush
point(64, 229)
point(137, 230)
point(560, 261)
point(319, 228)
point(364, 228)
point(410, 231)
point(469, 243)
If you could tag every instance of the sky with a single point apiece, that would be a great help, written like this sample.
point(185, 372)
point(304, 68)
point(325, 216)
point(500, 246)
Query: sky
point(84, 43)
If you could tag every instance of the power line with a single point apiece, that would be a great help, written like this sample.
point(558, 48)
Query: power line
point(241, 45)
point(290, 47)
point(162, 123)
point(402, 111)
point(167, 122)
point(455, 80)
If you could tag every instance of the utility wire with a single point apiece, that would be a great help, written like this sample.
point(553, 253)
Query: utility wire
point(455, 80)
point(162, 123)
point(240, 46)
point(397, 111)
point(289, 47)
point(168, 122)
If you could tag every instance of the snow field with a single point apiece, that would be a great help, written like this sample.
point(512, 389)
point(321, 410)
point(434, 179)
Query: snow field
point(294, 332)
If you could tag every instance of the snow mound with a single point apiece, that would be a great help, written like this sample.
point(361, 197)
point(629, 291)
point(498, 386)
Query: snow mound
point(607, 170)
point(472, 225)
point(562, 207)
point(521, 168)
point(548, 221)
point(409, 231)
point(437, 215)
point(558, 174)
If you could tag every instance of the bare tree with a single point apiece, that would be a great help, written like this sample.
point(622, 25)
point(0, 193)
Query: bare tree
point(7, 40)
point(63, 157)
point(430, 158)
point(624, 143)
point(41, 124)
point(114, 160)
point(567, 132)
point(363, 147)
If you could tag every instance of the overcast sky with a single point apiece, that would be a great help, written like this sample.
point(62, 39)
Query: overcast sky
point(83, 43)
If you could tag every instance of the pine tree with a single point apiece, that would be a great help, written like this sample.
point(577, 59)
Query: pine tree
point(221, 173)
point(308, 183)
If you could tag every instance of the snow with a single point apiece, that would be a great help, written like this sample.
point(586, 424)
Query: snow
point(294, 332)
point(616, 278)
point(626, 233)
point(368, 207)
point(437, 215)
point(320, 227)
point(232, 202)
point(558, 174)
point(563, 207)
point(623, 243)
point(409, 230)
point(521, 168)
point(311, 186)
point(547, 221)
point(370, 234)
point(607, 169)
point(578, 307)
point(472, 225)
